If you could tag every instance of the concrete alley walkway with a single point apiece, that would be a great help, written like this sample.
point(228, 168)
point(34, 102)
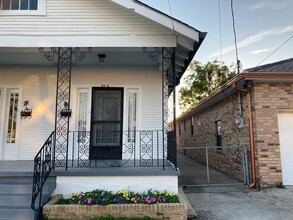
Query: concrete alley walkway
point(268, 204)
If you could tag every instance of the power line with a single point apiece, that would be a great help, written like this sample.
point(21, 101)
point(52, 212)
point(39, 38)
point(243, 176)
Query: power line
point(235, 38)
point(171, 15)
point(220, 30)
point(275, 50)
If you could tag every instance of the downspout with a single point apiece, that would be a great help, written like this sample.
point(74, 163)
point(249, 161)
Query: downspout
point(251, 137)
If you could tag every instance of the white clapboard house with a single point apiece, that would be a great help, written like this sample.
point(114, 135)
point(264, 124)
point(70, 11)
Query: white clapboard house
point(86, 94)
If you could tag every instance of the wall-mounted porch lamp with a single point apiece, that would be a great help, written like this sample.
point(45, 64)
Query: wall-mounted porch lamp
point(102, 58)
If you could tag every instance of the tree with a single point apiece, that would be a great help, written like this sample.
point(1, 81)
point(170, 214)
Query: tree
point(202, 81)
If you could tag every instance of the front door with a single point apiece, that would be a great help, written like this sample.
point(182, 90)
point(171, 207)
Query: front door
point(106, 123)
point(11, 125)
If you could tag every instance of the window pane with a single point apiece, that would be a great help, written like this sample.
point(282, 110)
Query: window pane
point(12, 118)
point(24, 5)
point(6, 5)
point(33, 5)
point(82, 117)
point(14, 4)
point(132, 100)
point(108, 106)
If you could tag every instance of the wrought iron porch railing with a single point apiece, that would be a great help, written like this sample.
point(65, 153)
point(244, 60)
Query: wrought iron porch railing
point(79, 149)
point(43, 165)
point(139, 148)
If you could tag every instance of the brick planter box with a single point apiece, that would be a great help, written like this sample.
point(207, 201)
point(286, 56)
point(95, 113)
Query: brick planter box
point(171, 211)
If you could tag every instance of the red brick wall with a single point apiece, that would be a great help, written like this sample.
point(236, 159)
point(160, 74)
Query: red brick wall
point(267, 98)
point(205, 135)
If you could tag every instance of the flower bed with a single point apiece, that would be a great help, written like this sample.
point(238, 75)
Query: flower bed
point(88, 205)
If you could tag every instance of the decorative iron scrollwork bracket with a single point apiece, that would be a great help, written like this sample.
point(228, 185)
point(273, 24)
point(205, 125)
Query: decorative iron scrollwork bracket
point(154, 54)
point(77, 54)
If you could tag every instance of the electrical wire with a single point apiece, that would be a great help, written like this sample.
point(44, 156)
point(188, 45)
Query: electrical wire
point(171, 16)
point(235, 38)
point(275, 50)
point(220, 31)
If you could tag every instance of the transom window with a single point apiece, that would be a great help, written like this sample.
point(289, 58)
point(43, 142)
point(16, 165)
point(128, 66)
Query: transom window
point(18, 4)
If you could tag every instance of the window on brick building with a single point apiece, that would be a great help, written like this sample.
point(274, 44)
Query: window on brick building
point(184, 125)
point(191, 126)
point(219, 133)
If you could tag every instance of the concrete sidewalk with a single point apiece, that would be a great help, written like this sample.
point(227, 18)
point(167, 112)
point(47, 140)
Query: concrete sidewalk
point(267, 204)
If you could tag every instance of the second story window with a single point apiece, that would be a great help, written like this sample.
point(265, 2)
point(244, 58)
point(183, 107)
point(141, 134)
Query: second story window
point(22, 7)
point(18, 4)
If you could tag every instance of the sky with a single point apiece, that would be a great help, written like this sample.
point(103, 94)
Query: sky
point(261, 27)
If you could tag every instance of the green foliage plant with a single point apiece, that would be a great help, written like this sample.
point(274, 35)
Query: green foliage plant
point(104, 197)
point(203, 79)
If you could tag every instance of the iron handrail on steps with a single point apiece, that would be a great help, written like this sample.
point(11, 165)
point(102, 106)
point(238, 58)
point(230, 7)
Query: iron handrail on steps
point(43, 165)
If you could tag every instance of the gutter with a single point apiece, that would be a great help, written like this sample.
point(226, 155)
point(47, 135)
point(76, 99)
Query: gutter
point(251, 137)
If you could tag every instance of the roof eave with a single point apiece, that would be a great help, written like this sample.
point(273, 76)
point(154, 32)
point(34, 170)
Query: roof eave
point(263, 76)
point(192, 53)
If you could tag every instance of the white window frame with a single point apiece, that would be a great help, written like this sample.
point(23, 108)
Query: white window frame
point(88, 91)
point(42, 10)
point(6, 89)
point(135, 91)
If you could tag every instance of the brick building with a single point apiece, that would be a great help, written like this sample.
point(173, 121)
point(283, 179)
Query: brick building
point(223, 118)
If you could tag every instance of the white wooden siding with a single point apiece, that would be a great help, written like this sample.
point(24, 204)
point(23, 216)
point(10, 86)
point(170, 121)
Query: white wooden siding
point(39, 87)
point(147, 78)
point(93, 19)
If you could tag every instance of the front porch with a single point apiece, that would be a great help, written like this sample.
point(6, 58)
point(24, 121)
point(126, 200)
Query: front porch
point(22, 168)
point(16, 183)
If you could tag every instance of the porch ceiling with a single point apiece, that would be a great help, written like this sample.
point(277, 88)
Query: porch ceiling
point(114, 57)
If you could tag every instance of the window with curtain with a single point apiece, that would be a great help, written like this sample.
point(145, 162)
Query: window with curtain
point(12, 118)
point(132, 115)
point(82, 115)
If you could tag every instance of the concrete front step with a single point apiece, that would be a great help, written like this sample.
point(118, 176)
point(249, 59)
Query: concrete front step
point(16, 214)
point(15, 189)
point(16, 194)
point(15, 200)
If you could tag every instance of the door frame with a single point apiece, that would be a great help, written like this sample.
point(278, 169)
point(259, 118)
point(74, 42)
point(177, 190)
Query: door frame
point(4, 119)
point(121, 89)
point(282, 153)
point(2, 110)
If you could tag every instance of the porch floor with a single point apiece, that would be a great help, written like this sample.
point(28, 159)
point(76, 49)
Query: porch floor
point(25, 168)
point(16, 168)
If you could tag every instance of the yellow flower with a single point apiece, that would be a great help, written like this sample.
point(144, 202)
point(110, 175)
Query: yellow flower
point(134, 193)
point(127, 198)
point(133, 198)
point(166, 194)
point(170, 194)
point(74, 194)
point(155, 193)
